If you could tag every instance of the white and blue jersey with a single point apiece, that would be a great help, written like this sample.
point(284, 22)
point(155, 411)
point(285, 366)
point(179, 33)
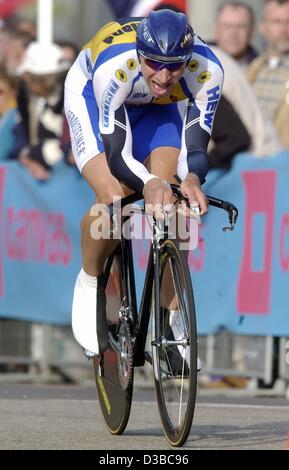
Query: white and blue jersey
point(110, 108)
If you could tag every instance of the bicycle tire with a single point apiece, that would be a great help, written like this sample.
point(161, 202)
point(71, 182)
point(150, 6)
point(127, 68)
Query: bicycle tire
point(176, 432)
point(115, 399)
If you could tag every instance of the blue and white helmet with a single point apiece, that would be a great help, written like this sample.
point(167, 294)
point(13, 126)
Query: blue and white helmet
point(165, 36)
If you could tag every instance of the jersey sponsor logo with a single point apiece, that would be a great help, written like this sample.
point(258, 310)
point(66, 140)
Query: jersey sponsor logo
point(193, 66)
point(106, 101)
point(213, 100)
point(128, 28)
point(131, 64)
point(204, 76)
point(121, 75)
point(139, 95)
point(76, 133)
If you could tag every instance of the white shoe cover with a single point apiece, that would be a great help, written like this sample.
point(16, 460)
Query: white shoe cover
point(177, 326)
point(84, 312)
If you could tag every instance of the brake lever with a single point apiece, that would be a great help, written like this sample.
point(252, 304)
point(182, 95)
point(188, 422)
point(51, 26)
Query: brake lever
point(233, 215)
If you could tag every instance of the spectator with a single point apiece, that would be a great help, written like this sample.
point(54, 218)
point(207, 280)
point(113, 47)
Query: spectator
point(269, 73)
point(70, 50)
point(15, 44)
point(234, 30)
point(9, 116)
point(229, 136)
point(4, 38)
point(39, 146)
point(241, 96)
point(23, 25)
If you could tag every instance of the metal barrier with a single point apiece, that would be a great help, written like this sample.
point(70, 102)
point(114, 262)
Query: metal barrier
point(243, 356)
point(284, 363)
point(40, 352)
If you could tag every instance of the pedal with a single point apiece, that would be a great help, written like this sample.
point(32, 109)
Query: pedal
point(88, 354)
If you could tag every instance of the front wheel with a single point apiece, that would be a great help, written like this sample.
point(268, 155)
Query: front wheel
point(174, 345)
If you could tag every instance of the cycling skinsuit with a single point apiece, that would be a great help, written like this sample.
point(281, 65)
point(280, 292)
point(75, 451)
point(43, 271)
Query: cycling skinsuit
point(110, 108)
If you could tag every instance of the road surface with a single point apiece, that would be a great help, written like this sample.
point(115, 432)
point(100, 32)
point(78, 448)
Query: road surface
point(68, 417)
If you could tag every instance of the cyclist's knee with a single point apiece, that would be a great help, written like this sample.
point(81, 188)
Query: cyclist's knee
point(106, 197)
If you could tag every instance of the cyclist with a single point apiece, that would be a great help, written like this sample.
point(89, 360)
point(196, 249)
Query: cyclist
point(140, 101)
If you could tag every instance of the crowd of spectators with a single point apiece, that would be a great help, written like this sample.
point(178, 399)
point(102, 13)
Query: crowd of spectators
point(252, 115)
point(33, 129)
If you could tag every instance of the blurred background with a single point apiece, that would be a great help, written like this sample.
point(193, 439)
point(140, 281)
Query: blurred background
point(79, 19)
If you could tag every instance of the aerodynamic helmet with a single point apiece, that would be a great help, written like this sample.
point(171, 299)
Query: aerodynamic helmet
point(165, 36)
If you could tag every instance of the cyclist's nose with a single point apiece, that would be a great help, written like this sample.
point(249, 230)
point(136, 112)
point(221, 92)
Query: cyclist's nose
point(163, 75)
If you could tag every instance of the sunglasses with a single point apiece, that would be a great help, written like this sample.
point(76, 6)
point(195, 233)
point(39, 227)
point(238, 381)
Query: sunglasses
point(157, 65)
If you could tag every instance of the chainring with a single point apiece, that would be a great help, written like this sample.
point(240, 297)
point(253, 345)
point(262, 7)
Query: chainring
point(125, 355)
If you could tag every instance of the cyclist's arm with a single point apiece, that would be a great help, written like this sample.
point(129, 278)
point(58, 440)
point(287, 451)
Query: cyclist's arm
point(115, 128)
point(197, 129)
point(118, 146)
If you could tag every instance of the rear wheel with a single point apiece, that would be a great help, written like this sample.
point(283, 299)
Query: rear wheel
point(174, 346)
point(114, 368)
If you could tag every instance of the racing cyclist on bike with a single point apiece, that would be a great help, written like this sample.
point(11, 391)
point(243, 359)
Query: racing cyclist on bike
point(140, 101)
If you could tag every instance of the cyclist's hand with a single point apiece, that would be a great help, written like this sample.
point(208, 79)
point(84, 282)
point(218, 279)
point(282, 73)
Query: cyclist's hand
point(191, 188)
point(158, 197)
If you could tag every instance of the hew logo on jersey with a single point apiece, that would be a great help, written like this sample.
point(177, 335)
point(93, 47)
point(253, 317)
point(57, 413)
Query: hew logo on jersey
point(106, 102)
point(213, 100)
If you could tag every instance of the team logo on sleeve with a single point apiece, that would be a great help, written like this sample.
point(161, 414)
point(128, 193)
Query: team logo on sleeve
point(204, 76)
point(193, 66)
point(131, 64)
point(121, 75)
point(106, 102)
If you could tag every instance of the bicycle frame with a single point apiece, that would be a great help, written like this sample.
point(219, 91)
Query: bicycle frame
point(140, 320)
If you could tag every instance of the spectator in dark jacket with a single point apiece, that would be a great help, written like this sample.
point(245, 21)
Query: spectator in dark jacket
point(229, 136)
point(41, 107)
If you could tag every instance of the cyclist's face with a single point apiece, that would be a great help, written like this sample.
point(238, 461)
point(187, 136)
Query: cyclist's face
point(162, 82)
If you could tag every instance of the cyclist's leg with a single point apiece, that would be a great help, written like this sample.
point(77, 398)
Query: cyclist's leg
point(89, 296)
point(82, 115)
point(105, 186)
point(163, 162)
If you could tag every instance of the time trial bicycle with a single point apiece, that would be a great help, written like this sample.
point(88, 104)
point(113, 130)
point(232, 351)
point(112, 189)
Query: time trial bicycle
point(168, 301)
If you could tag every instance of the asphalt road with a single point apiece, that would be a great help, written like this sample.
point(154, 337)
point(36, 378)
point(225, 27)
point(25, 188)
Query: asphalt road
point(68, 417)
